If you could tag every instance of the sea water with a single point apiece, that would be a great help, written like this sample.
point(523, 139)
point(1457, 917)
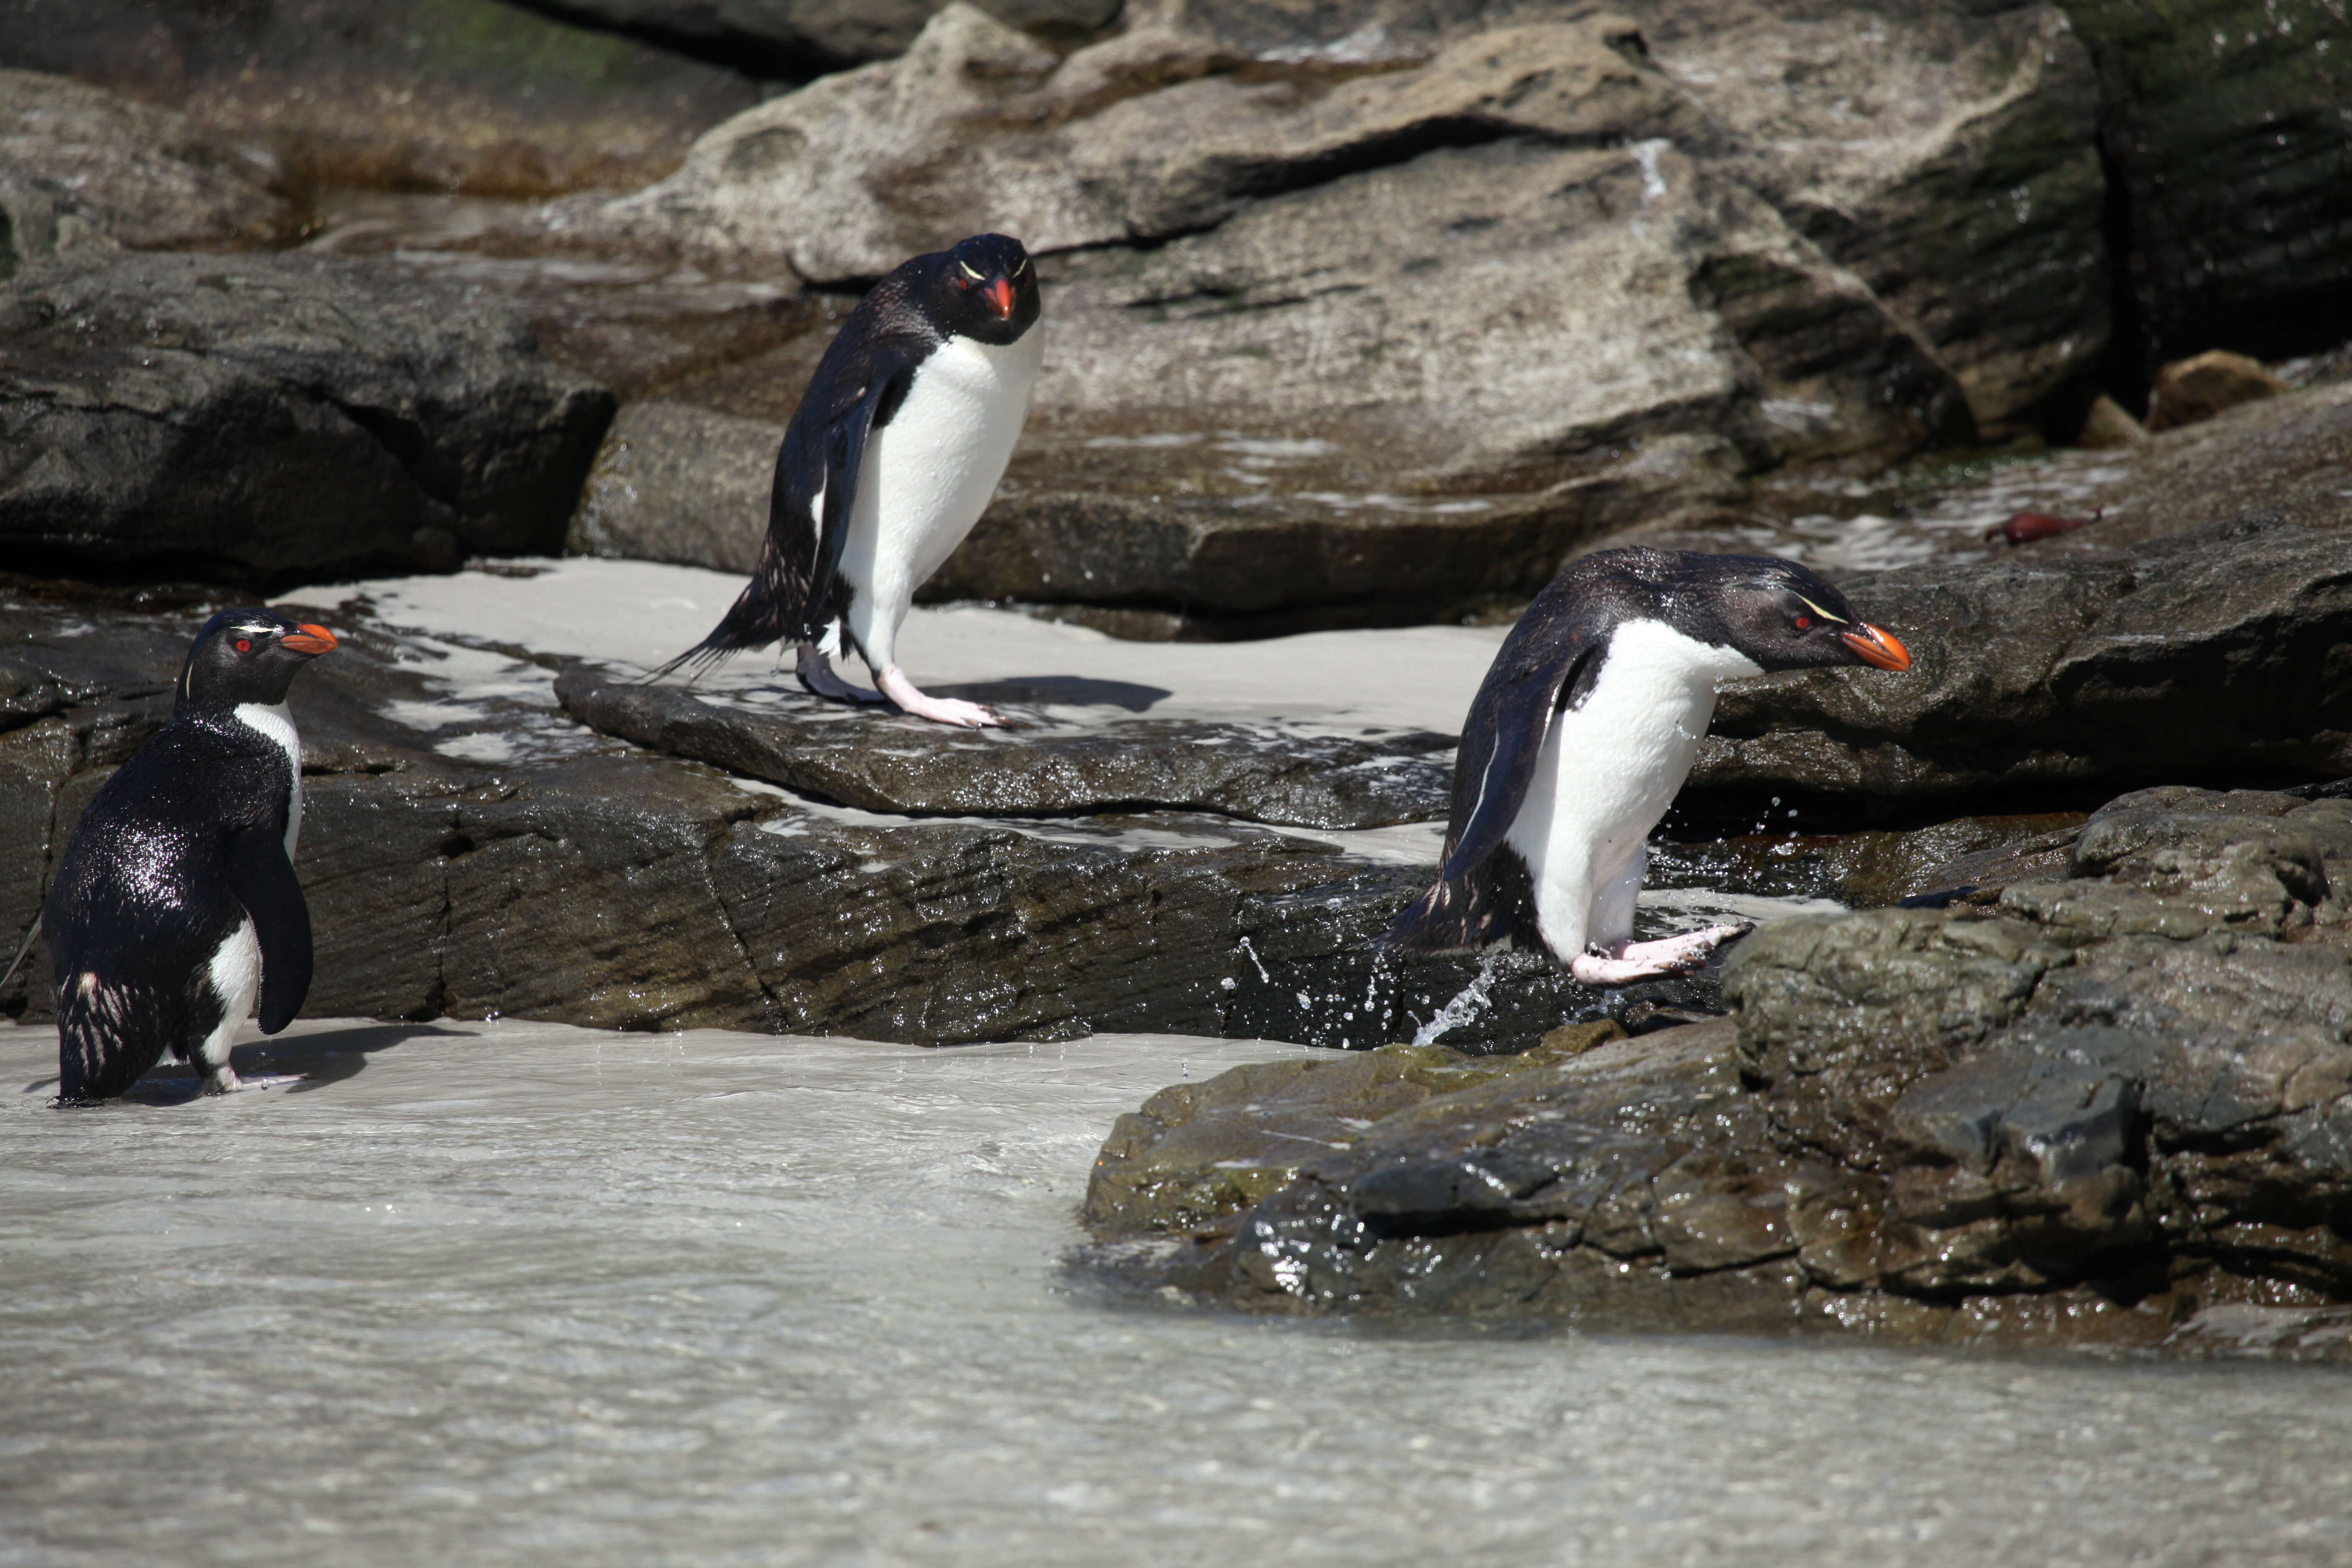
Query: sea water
point(465, 1293)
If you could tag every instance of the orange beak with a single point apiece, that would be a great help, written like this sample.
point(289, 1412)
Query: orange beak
point(1000, 297)
point(311, 640)
point(1873, 645)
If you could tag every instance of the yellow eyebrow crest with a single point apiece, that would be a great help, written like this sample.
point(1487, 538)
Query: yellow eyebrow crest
point(1819, 611)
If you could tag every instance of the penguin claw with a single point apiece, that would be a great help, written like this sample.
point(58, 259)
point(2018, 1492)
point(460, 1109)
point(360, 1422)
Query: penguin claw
point(222, 1080)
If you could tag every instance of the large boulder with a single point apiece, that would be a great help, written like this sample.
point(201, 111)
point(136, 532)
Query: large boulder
point(2089, 1115)
point(80, 166)
point(274, 416)
point(1408, 323)
point(433, 95)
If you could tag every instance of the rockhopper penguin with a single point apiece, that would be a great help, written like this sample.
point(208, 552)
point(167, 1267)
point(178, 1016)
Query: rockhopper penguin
point(1586, 727)
point(890, 458)
point(176, 900)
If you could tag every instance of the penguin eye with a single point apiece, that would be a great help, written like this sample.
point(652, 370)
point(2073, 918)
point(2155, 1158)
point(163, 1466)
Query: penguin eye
point(244, 645)
point(1802, 622)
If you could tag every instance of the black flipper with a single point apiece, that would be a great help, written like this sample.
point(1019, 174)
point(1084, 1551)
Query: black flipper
point(796, 589)
point(1548, 663)
point(263, 880)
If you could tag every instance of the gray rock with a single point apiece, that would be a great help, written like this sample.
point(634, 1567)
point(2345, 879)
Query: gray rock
point(2014, 1125)
point(1246, 239)
point(2203, 653)
point(802, 38)
point(83, 167)
point(2227, 137)
point(277, 417)
point(417, 95)
point(1065, 750)
point(673, 482)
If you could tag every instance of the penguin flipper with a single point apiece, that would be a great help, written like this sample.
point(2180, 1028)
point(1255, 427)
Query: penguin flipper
point(795, 589)
point(263, 880)
point(1548, 661)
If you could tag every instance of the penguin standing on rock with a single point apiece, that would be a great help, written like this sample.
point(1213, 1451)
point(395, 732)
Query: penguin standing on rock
point(1583, 732)
point(890, 458)
point(176, 901)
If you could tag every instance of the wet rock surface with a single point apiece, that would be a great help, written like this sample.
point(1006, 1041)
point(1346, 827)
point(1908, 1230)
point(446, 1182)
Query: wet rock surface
point(2114, 1108)
point(804, 37)
point(276, 416)
point(1068, 747)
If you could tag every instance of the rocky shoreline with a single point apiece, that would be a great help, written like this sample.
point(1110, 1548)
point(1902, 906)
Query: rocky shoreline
point(2110, 1108)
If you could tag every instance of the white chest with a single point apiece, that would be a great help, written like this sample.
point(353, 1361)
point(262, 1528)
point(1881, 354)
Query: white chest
point(272, 723)
point(928, 473)
point(1610, 768)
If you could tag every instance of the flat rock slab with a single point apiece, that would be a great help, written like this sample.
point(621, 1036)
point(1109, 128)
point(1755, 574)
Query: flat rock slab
point(1043, 761)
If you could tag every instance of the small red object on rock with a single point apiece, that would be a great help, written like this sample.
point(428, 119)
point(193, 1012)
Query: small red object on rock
point(2027, 526)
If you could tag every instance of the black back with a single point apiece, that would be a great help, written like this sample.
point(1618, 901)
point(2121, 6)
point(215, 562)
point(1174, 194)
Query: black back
point(1776, 612)
point(186, 839)
point(796, 589)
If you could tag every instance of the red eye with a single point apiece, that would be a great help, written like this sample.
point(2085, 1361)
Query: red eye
point(244, 645)
point(1804, 621)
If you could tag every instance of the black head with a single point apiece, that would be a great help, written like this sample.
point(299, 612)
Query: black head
point(1784, 616)
point(248, 655)
point(984, 287)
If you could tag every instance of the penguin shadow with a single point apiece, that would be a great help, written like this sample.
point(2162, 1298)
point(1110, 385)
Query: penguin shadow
point(1031, 696)
point(295, 1067)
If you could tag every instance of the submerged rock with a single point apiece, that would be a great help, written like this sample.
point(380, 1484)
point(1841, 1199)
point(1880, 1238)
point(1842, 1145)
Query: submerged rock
point(275, 417)
point(1062, 752)
point(2115, 1103)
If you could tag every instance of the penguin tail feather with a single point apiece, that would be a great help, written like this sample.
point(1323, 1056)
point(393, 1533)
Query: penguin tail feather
point(1443, 919)
point(756, 619)
point(108, 1037)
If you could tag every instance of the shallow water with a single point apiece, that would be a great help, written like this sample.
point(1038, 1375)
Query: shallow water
point(493, 1293)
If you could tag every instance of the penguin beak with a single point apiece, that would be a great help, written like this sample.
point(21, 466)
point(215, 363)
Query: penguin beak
point(309, 641)
point(1873, 645)
point(999, 294)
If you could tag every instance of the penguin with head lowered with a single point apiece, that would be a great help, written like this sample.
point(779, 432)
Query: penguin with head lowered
point(177, 902)
point(1583, 731)
point(893, 454)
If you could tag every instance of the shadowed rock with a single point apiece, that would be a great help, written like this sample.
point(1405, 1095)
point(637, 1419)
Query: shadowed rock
point(1047, 764)
point(269, 416)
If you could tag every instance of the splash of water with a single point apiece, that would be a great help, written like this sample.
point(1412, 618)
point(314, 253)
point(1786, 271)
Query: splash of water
point(1468, 1003)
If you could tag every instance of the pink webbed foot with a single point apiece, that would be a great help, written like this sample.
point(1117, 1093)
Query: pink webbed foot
point(941, 710)
point(1627, 961)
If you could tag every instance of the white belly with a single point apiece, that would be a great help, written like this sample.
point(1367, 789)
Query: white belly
point(927, 476)
point(1606, 774)
point(275, 725)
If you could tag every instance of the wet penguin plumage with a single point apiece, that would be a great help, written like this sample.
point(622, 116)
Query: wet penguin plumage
point(1585, 728)
point(176, 901)
point(896, 448)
